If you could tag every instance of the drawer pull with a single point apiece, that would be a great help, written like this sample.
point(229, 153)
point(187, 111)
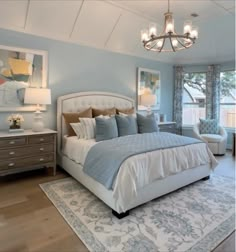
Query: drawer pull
point(41, 139)
point(12, 142)
point(41, 159)
point(41, 149)
point(11, 164)
point(12, 153)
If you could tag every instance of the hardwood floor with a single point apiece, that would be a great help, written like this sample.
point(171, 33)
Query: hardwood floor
point(29, 221)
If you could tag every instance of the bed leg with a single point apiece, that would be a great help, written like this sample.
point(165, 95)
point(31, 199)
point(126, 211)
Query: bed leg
point(206, 178)
point(120, 215)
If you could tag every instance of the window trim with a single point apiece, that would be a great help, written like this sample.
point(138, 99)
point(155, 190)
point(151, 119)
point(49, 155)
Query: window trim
point(197, 72)
point(230, 129)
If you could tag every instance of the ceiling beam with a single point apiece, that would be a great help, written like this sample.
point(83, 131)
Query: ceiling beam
point(114, 27)
point(137, 13)
point(27, 14)
point(76, 19)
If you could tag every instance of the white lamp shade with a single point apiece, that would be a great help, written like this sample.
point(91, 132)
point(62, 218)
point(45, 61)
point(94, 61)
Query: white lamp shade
point(41, 96)
point(148, 100)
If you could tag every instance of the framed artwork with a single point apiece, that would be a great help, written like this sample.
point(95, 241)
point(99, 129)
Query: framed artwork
point(20, 68)
point(148, 82)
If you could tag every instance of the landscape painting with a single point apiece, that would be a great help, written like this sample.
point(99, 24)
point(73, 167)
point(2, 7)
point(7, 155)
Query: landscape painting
point(19, 69)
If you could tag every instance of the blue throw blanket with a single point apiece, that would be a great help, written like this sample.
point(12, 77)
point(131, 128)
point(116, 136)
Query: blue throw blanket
point(105, 158)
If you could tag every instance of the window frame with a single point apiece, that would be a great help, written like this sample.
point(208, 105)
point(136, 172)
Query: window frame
point(228, 103)
point(191, 103)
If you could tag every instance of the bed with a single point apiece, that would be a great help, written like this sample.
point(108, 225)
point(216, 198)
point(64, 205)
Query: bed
point(120, 198)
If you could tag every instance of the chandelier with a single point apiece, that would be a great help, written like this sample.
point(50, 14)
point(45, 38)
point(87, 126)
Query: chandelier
point(169, 40)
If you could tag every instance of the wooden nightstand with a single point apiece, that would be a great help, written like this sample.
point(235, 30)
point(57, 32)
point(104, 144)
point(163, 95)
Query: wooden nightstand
point(167, 127)
point(27, 151)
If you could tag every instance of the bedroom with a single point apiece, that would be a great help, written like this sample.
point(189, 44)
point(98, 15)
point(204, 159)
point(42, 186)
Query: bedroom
point(101, 54)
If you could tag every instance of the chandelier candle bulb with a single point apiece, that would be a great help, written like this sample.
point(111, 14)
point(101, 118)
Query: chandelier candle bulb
point(144, 35)
point(170, 26)
point(187, 27)
point(194, 32)
point(159, 44)
point(175, 42)
point(152, 29)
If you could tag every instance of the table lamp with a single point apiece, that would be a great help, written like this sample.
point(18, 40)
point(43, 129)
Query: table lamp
point(148, 100)
point(37, 96)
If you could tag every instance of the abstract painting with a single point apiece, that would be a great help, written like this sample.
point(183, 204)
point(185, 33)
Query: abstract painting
point(19, 69)
point(149, 81)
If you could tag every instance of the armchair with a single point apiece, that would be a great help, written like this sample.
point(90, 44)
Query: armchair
point(216, 142)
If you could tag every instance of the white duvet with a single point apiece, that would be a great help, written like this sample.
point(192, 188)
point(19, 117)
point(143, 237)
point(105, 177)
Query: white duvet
point(142, 169)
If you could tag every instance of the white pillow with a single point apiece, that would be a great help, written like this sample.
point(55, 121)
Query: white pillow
point(89, 126)
point(79, 129)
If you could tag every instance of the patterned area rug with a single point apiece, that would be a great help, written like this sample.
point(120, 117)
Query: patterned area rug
point(195, 218)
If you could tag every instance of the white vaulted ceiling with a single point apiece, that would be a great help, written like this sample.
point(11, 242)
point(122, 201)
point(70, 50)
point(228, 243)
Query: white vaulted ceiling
point(116, 25)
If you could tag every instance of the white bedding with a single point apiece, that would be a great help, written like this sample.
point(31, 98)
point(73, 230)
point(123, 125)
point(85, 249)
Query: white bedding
point(77, 149)
point(140, 170)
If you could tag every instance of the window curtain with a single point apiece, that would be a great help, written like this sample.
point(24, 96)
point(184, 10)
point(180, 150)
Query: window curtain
point(178, 98)
point(213, 92)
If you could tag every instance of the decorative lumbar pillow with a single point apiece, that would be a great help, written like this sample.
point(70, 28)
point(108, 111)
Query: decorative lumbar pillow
point(89, 127)
point(208, 126)
point(147, 124)
point(75, 118)
point(125, 111)
point(106, 128)
point(127, 125)
point(78, 129)
point(98, 112)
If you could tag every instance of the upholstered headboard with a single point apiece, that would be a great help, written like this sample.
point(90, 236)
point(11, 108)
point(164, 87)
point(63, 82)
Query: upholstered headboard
point(80, 101)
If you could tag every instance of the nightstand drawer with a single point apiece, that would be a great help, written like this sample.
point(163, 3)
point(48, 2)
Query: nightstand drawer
point(40, 139)
point(11, 142)
point(39, 149)
point(26, 162)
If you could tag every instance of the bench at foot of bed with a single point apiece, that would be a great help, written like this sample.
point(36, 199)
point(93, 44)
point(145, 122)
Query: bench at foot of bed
point(206, 178)
point(120, 215)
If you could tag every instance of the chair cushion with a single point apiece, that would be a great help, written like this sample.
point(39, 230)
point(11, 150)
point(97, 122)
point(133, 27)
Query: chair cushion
point(208, 126)
point(212, 138)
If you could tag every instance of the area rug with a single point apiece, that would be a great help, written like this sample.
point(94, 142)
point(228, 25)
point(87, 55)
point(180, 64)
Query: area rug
point(195, 218)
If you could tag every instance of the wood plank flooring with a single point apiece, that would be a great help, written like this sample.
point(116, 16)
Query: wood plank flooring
point(29, 221)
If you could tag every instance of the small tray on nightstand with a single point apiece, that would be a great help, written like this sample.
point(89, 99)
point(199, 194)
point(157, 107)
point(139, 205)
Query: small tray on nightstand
point(16, 130)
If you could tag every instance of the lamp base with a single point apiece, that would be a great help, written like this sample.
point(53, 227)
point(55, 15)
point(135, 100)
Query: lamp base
point(149, 110)
point(38, 124)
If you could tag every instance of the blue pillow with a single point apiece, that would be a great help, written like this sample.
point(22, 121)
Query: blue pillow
point(127, 125)
point(106, 128)
point(147, 124)
point(208, 126)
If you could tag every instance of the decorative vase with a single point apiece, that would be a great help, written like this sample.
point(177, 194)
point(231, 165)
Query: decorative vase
point(15, 125)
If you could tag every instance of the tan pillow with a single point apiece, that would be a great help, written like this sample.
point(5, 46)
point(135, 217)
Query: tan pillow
point(109, 112)
point(74, 118)
point(125, 111)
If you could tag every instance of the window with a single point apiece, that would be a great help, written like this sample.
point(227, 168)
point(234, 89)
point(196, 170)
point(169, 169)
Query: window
point(228, 99)
point(194, 98)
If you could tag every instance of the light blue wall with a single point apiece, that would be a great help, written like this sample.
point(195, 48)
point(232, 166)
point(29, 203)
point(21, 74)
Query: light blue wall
point(74, 68)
